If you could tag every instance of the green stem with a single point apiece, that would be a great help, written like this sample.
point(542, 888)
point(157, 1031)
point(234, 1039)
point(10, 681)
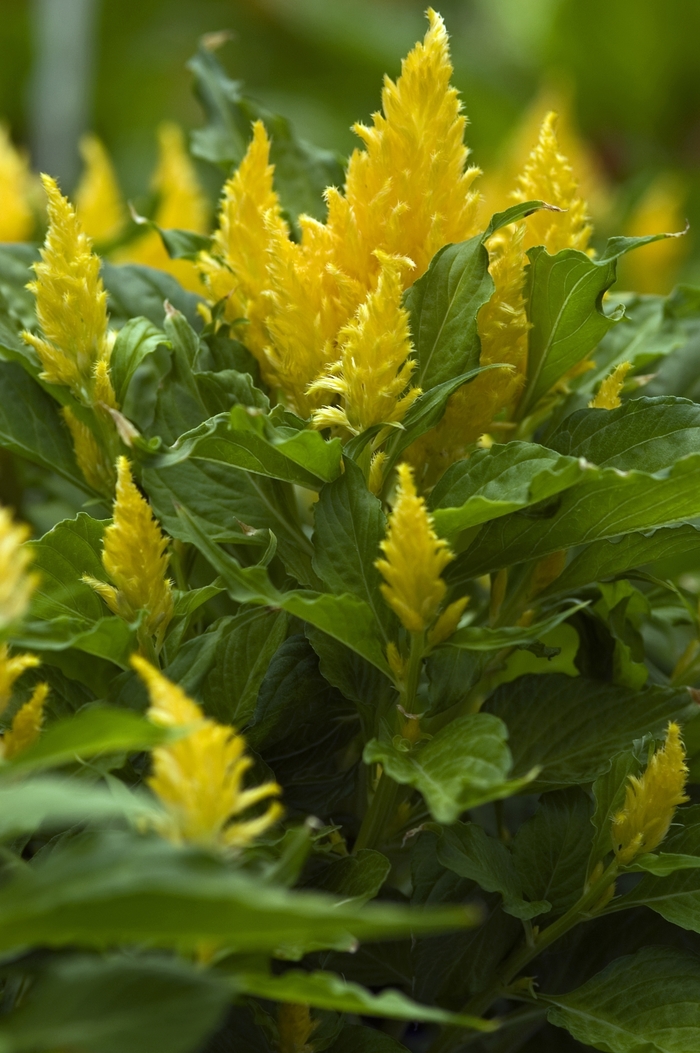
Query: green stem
point(378, 814)
point(414, 670)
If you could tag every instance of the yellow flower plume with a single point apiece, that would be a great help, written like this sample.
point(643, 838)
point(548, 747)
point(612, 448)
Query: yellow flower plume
point(414, 558)
point(17, 583)
point(199, 778)
point(26, 724)
point(16, 215)
point(11, 669)
point(98, 199)
point(374, 368)
point(548, 177)
point(654, 268)
point(295, 1027)
point(608, 394)
point(651, 800)
point(71, 302)
point(134, 555)
point(90, 457)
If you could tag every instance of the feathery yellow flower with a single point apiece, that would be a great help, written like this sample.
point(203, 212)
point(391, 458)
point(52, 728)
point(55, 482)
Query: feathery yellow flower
point(374, 369)
point(91, 458)
point(408, 192)
point(295, 1027)
point(376, 472)
point(199, 778)
point(447, 622)
point(181, 206)
point(71, 302)
point(16, 215)
point(16, 582)
point(134, 555)
point(414, 558)
point(10, 670)
point(238, 265)
point(651, 800)
point(548, 177)
point(608, 394)
point(26, 724)
point(98, 199)
point(654, 268)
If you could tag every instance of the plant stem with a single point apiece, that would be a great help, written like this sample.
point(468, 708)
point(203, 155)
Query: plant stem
point(378, 814)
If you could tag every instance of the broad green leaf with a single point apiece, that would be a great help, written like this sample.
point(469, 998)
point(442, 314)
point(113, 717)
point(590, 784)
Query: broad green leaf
point(241, 661)
point(117, 1004)
point(609, 795)
point(96, 890)
point(137, 339)
point(661, 864)
point(465, 764)
point(551, 849)
point(570, 728)
point(327, 991)
point(357, 877)
point(675, 897)
point(135, 290)
point(648, 1002)
point(492, 483)
point(467, 850)
point(16, 260)
point(482, 638)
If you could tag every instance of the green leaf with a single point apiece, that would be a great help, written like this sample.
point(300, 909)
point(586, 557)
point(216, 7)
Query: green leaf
point(648, 1002)
point(609, 794)
point(137, 339)
point(465, 764)
point(571, 727)
point(241, 661)
point(467, 850)
point(135, 290)
point(117, 1004)
point(96, 890)
point(551, 849)
point(482, 638)
point(676, 897)
point(661, 864)
point(328, 991)
point(358, 877)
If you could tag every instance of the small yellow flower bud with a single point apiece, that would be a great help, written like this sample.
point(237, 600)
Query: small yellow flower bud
point(26, 724)
point(447, 622)
point(608, 394)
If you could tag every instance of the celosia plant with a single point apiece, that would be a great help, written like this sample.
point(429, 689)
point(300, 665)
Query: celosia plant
point(363, 721)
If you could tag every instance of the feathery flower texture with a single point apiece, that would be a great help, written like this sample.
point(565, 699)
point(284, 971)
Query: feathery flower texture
point(98, 199)
point(608, 394)
point(17, 582)
point(199, 778)
point(26, 724)
point(16, 216)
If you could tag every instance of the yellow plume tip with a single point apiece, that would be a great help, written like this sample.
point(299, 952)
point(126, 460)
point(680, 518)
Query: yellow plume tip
point(26, 725)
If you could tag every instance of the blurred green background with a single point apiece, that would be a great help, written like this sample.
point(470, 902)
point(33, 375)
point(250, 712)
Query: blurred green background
point(630, 68)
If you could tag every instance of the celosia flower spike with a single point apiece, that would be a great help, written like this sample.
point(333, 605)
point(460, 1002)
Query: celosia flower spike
point(26, 724)
point(199, 777)
point(374, 369)
point(16, 216)
point(548, 177)
point(651, 800)
point(608, 394)
point(11, 669)
point(71, 302)
point(98, 199)
point(134, 555)
point(414, 558)
point(90, 457)
point(17, 583)
point(654, 268)
point(294, 1027)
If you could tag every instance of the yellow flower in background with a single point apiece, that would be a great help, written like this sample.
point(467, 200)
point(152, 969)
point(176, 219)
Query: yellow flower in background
point(249, 219)
point(447, 622)
point(26, 724)
point(608, 394)
point(71, 302)
point(17, 583)
point(295, 1026)
point(654, 268)
point(134, 555)
point(93, 462)
point(16, 215)
point(11, 669)
point(199, 778)
point(651, 800)
point(374, 369)
point(548, 176)
point(98, 199)
point(414, 558)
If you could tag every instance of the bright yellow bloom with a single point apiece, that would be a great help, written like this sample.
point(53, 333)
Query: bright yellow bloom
point(237, 267)
point(10, 670)
point(199, 778)
point(408, 193)
point(91, 458)
point(376, 472)
point(295, 1027)
point(651, 800)
point(654, 268)
point(16, 582)
point(26, 724)
point(374, 369)
point(608, 394)
point(548, 177)
point(414, 558)
point(181, 206)
point(134, 555)
point(98, 199)
point(447, 622)
point(16, 215)
point(71, 302)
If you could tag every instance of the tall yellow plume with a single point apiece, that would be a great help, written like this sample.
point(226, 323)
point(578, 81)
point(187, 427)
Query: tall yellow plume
point(608, 394)
point(295, 1027)
point(134, 555)
point(11, 669)
point(93, 462)
point(374, 369)
point(98, 199)
point(654, 268)
point(548, 177)
point(17, 583)
point(26, 724)
point(408, 192)
point(71, 302)
point(199, 778)
point(651, 800)
point(250, 219)
point(16, 215)
point(414, 558)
